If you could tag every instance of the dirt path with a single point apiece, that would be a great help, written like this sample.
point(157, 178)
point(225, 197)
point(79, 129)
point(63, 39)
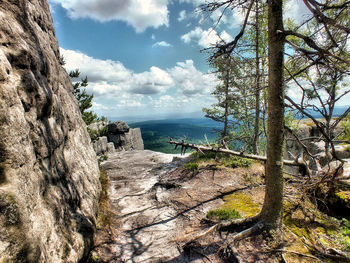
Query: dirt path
point(156, 207)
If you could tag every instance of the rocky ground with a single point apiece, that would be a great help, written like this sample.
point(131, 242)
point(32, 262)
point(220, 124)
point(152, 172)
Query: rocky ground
point(158, 207)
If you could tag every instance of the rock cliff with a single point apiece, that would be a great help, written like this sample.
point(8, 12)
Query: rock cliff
point(116, 136)
point(49, 178)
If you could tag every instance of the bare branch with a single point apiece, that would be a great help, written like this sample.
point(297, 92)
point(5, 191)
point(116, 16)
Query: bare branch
point(321, 17)
point(241, 154)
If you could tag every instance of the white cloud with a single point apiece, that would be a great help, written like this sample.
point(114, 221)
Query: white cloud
point(140, 14)
point(153, 37)
point(194, 2)
point(161, 44)
point(111, 77)
point(191, 81)
point(151, 82)
point(119, 90)
point(205, 38)
point(296, 10)
point(182, 15)
point(95, 69)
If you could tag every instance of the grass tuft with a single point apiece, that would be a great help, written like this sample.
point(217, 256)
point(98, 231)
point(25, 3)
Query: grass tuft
point(223, 214)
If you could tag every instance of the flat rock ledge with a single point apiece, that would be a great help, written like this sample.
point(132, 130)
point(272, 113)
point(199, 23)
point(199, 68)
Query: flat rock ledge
point(154, 206)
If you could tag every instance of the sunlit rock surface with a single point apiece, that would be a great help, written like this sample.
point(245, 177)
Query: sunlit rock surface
point(49, 179)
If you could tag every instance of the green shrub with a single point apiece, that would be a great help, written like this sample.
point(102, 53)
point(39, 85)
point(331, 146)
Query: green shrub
point(202, 157)
point(223, 214)
point(104, 218)
point(345, 124)
point(94, 134)
point(224, 159)
point(102, 158)
point(191, 166)
point(237, 161)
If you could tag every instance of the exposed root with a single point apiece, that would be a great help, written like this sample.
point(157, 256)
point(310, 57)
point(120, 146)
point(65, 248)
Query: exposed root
point(231, 224)
point(206, 232)
point(247, 232)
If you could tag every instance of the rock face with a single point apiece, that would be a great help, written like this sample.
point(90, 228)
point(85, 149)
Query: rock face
point(315, 147)
point(49, 178)
point(123, 137)
point(119, 135)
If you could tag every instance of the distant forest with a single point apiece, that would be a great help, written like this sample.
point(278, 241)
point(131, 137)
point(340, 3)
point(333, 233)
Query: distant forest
point(155, 134)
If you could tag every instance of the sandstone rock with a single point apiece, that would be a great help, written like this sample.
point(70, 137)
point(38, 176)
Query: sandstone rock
point(110, 147)
point(100, 146)
point(49, 178)
point(134, 140)
point(342, 151)
point(118, 127)
point(119, 135)
point(98, 125)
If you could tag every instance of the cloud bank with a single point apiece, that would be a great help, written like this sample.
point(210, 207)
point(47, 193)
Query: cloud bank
point(140, 14)
point(117, 88)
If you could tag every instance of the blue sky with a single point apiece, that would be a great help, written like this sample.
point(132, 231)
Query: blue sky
point(142, 57)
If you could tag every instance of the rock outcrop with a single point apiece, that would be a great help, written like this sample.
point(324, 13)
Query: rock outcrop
point(117, 136)
point(49, 178)
point(308, 133)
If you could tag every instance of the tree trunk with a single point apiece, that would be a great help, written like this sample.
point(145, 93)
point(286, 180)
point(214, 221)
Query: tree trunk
point(272, 208)
point(224, 133)
point(257, 81)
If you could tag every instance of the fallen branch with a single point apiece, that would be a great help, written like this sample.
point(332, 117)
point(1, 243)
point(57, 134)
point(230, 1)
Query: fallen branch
point(202, 148)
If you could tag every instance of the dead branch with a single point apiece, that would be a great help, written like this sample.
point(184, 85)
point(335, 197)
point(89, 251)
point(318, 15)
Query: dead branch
point(235, 153)
point(321, 17)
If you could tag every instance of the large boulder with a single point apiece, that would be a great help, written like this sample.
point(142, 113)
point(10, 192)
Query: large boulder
point(49, 178)
point(124, 138)
point(118, 127)
point(133, 140)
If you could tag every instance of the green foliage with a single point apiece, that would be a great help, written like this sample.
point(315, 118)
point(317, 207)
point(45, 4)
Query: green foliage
point(191, 166)
point(345, 124)
point(223, 214)
point(235, 106)
point(102, 158)
point(236, 161)
point(83, 98)
point(89, 117)
point(104, 218)
point(95, 134)
point(222, 159)
point(198, 157)
point(290, 121)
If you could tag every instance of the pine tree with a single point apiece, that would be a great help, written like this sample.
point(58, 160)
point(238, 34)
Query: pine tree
point(83, 98)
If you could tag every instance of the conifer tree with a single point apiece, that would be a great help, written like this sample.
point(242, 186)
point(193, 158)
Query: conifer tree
point(83, 98)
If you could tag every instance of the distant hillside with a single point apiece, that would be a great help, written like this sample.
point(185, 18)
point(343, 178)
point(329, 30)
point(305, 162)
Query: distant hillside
point(156, 133)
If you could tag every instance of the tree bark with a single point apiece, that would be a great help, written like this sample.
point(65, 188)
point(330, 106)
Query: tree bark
point(227, 81)
point(273, 203)
point(257, 81)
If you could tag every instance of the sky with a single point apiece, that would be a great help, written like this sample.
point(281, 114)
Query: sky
point(143, 58)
